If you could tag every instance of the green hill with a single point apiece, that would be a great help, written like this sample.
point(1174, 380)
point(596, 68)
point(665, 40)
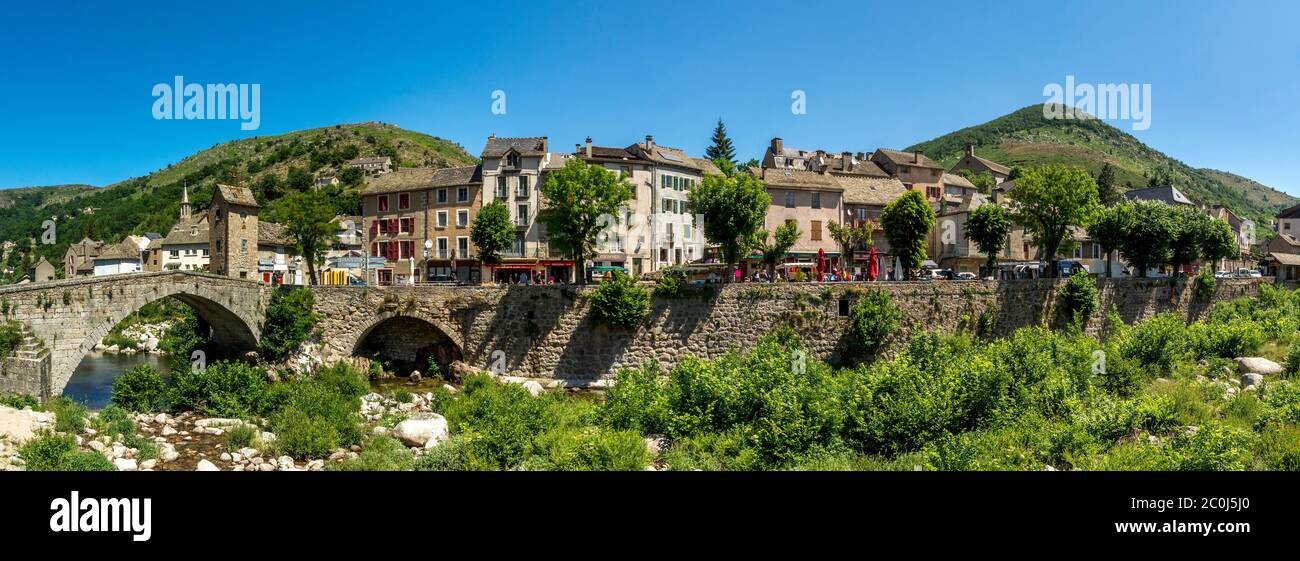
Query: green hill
point(271, 166)
point(1026, 138)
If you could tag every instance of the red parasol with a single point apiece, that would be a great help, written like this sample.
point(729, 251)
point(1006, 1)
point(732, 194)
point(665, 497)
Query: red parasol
point(821, 263)
point(872, 268)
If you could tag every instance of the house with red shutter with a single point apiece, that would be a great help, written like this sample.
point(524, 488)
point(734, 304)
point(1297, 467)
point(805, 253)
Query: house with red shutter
point(419, 220)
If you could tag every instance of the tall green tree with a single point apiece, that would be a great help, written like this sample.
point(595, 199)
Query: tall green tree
point(984, 182)
point(1048, 200)
point(988, 227)
point(581, 200)
point(733, 208)
point(907, 223)
point(492, 231)
point(1107, 191)
point(1191, 229)
point(1219, 242)
point(850, 238)
point(308, 220)
point(780, 243)
point(721, 148)
point(1110, 228)
point(1147, 244)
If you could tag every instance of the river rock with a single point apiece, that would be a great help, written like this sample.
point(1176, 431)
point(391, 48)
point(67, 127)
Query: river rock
point(170, 456)
point(167, 430)
point(226, 457)
point(205, 465)
point(148, 464)
point(125, 464)
point(1258, 365)
point(534, 388)
point(98, 446)
point(266, 467)
point(250, 452)
point(420, 429)
point(656, 444)
point(316, 465)
point(217, 422)
point(1252, 379)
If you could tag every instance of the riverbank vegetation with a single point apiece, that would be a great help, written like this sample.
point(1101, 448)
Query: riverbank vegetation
point(1159, 395)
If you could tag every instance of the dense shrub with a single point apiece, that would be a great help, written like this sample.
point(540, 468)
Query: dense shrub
point(1291, 369)
point(620, 301)
point(638, 401)
point(872, 320)
point(1235, 338)
point(380, 453)
point(11, 337)
point(314, 416)
point(185, 334)
point(140, 389)
point(498, 422)
point(1159, 342)
point(672, 284)
point(69, 416)
point(1079, 297)
point(241, 436)
point(1205, 284)
point(19, 401)
point(588, 449)
point(58, 452)
point(1213, 447)
point(226, 389)
point(289, 321)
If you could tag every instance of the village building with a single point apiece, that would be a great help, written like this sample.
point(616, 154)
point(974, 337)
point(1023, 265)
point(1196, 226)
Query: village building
point(1283, 259)
point(916, 170)
point(276, 261)
point(372, 166)
point(813, 200)
point(513, 169)
point(418, 221)
point(345, 260)
point(186, 245)
point(1167, 194)
point(232, 243)
point(42, 271)
point(120, 258)
point(79, 260)
point(977, 165)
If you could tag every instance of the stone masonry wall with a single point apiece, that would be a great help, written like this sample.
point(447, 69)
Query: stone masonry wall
point(26, 376)
point(545, 331)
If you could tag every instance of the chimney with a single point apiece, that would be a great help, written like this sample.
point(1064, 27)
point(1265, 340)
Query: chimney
point(778, 146)
point(862, 155)
point(916, 157)
point(846, 161)
point(588, 146)
point(492, 136)
point(997, 196)
point(970, 149)
point(649, 143)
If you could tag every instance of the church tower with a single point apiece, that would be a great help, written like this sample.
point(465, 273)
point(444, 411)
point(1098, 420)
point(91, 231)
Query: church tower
point(185, 205)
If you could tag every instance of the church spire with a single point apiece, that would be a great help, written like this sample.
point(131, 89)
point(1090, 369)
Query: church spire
point(185, 204)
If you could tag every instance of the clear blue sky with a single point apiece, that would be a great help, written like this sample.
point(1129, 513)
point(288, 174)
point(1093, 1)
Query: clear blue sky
point(75, 79)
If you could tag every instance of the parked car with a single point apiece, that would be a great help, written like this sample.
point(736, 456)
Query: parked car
point(1222, 275)
point(967, 275)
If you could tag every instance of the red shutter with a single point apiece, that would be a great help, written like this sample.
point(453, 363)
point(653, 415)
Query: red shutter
point(392, 225)
point(374, 249)
point(374, 228)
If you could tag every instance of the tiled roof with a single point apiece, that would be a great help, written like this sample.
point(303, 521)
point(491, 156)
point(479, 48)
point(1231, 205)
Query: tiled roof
point(1166, 194)
point(412, 179)
point(908, 158)
point(707, 166)
point(797, 179)
point(1293, 212)
point(528, 146)
point(863, 190)
point(193, 232)
point(371, 160)
point(124, 250)
point(957, 181)
point(237, 195)
point(270, 233)
point(835, 165)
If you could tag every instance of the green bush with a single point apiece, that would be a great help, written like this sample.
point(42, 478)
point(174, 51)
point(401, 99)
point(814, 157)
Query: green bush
point(11, 337)
point(620, 301)
point(672, 284)
point(380, 453)
point(1224, 340)
point(242, 435)
point(58, 452)
point(187, 333)
point(499, 422)
point(1079, 297)
point(1206, 284)
point(289, 321)
point(1213, 448)
point(69, 416)
point(315, 416)
point(588, 449)
point(226, 389)
point(872, 320)
point(1291, 370)
point(1279, 447)
point(1159, 342)
point(447, 456)
point(403, 395)
point(114, 421)
point(638, 401)
point(140, 389)
point(19, 401)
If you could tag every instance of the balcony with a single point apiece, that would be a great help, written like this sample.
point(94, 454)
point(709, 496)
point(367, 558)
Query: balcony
point(521, 193)
point(521, 221)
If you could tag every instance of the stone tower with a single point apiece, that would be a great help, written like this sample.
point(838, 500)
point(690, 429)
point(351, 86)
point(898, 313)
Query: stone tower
point(185, 205)
point(233, 243)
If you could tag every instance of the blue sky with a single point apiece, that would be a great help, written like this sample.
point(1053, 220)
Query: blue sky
point(75, 78)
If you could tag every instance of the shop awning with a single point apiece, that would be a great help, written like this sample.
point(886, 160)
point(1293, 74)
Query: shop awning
point(605, 269)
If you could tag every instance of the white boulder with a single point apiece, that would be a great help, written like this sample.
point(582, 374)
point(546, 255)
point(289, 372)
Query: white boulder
point(421, 428)
point(205, 465)
point(1258, 365)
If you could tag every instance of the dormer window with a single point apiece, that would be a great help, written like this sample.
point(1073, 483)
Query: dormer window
point(512, 160)
point(194, 230)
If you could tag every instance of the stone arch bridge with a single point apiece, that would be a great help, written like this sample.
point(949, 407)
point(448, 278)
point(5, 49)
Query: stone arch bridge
point(540, 331)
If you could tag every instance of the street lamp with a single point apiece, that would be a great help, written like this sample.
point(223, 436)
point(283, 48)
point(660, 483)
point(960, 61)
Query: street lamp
point(428, 244)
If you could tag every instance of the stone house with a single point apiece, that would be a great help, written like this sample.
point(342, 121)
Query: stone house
point(1283, 260)
point(277, 263)
point(186, 245)
point(233, 240)
point(42, 271)
point(79, 260)
point(513, 169)
point(811, 199)
point(419, 221)
point(373, 165)
point(1288, 221)
point(914, 169)
point(977, 165)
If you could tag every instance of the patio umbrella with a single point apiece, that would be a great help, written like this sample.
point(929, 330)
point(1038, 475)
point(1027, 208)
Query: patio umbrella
point(873, 268)
point(821, 264)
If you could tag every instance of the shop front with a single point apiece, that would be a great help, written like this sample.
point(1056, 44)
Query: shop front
point(534, 271)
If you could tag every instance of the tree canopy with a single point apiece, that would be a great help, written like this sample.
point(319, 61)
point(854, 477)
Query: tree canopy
point(988, 226)
point(581, 200)
point(733, 208)
point(780, 243)
point(308, 220)
point(907, 222)
point(1110, 228)
point(492, 231)
point(1048, 200)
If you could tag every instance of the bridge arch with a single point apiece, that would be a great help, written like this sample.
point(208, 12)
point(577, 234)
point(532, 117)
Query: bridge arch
point(231, 308)
point(407, 341)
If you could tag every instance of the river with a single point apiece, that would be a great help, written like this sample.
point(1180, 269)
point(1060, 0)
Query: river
point(92, 382)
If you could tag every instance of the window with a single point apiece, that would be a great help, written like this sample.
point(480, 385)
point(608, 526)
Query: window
point(403, 201)
point(462, 247)
point(442, 219)
point(523, 215)
point(442, 196)
point(383, 203)
point(686, 231)
point(462, 194)
point(816, 200)
point(442, 248)
point(789, 199)
point(816, 230)
point(512, 160)
point(523, 187)
point(501, 187)
point(408, 225)
point(862, 214)
point(175, 254)
point(462, 218)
